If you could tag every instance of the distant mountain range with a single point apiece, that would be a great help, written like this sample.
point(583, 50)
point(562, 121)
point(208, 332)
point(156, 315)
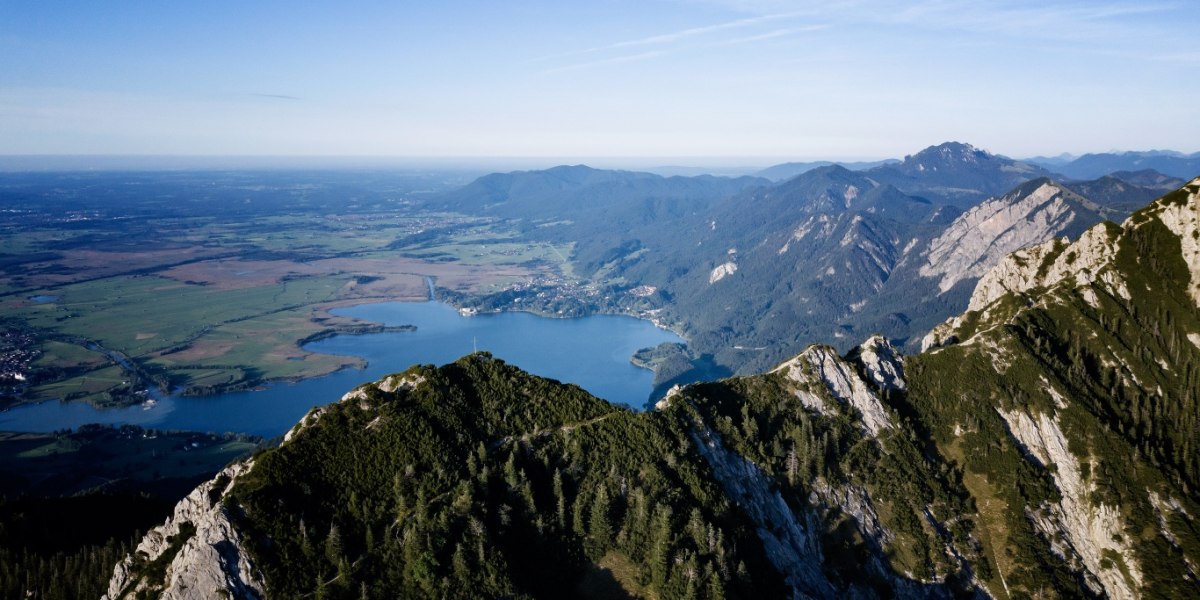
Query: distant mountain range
point(789, 170)
point(957, 174)
point(1091, 166)
point(581, 192)
point(751, 271)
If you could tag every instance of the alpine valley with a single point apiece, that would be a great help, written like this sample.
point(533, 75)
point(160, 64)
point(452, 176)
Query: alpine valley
point(1001, 400)
point(1029, 430)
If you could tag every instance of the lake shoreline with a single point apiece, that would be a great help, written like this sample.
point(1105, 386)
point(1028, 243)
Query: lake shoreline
point(592, 351)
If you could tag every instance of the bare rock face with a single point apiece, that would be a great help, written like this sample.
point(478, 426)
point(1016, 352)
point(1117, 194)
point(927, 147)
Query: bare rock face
point(791, 540)
point(1087, 260)
point(1083, 261)
point(982, 236)
point(722, 271)
point(1081, 530)
point(882, 362)
point(1087, 264)
point(1183, 219)
point(821, 366)
point(195, 555)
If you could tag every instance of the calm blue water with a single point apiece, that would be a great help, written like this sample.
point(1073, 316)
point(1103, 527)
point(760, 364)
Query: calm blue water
point(592, 352)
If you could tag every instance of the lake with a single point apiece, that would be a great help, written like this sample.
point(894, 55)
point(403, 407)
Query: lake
point(592, 352)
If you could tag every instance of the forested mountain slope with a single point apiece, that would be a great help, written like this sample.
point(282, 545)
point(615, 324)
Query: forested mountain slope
point(833, 255)
point(751, 273)
point(1043, 446)
point(578, 193)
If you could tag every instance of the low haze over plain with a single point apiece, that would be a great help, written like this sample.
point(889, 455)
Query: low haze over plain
point(617, 78)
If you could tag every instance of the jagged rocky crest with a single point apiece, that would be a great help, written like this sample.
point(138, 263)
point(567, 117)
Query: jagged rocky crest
point(982, 236)
point(1044, 444)
point(197, 554)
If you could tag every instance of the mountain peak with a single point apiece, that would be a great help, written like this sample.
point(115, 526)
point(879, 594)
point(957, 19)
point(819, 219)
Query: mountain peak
point(956, 173)
point(950, 152)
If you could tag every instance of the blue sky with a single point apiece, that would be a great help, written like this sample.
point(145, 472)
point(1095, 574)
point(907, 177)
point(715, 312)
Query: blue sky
point(749, 80)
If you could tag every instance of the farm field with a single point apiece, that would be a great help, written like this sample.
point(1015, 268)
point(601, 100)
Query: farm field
point(122, 290)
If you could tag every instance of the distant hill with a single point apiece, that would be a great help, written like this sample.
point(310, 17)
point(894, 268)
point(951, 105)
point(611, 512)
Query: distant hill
point(682, 171)
point(789, 170)
point(1050, 162)
point(1150, 179)
point(1124, 191)
point(579, 191)
point(1091, 166)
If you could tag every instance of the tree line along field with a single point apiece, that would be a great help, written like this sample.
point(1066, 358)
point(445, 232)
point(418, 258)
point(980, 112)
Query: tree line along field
point(208, 284)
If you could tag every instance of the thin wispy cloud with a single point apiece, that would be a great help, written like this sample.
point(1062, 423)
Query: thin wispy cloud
point(606, 61)
point(1024, 18)
point(684, 34)
point(1028, 20)
point(778, 33)
point(686, 38)
point(680, 35)
point(276, 96)
point(1192, 58)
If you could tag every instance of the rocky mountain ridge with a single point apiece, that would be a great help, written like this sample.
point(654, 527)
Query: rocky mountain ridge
point(1045, 444)
point(979, 238)
point(197, 554)
point(831, 254)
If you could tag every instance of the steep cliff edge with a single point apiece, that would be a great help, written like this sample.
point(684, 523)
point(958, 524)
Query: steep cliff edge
point(1075, 379)
point(197, 554)
point(982, 236)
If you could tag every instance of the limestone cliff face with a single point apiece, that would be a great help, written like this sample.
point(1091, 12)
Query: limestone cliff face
point(1083, 529)
point(1090, 259)
point(196, 555)
point(794, 532)
point(1182, 217)
point(791, 540)
point(821, 366)
point(1084, 338)
point(982, 236)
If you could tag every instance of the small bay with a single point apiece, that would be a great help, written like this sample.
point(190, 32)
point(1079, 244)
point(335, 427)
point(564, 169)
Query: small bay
point(592, 352)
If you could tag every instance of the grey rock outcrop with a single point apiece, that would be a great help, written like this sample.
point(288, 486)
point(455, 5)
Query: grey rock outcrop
point(982, 236)
point(196, 555)
point(821, 366)
point(1082, 530)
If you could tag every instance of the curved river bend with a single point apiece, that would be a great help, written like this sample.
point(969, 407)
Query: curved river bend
point(592, 352)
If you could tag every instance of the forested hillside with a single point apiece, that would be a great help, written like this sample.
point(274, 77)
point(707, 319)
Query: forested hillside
point(751, 272)
point(1043, 446)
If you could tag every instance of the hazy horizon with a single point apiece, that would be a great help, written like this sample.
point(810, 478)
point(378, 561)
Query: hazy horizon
point(184, 162)
point(752, 79)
